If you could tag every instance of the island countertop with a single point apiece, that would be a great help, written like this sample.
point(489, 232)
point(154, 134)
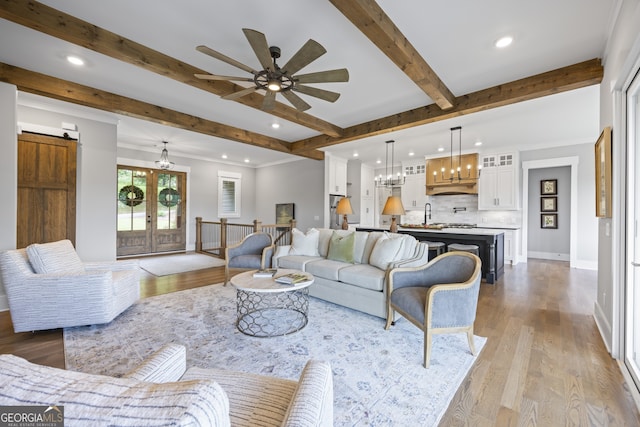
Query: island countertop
point(470, 231)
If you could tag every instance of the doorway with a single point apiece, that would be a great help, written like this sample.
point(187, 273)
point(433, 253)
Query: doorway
point(46, 206)
point(151, 211)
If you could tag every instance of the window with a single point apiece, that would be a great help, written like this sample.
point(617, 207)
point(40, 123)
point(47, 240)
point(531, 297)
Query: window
point(229, 194)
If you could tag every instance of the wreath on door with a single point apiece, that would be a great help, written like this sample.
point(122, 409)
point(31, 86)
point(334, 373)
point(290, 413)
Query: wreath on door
point(131, 195)
point(169, 197)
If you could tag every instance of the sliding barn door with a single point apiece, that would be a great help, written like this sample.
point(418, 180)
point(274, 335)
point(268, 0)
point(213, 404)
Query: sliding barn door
point(46, 189)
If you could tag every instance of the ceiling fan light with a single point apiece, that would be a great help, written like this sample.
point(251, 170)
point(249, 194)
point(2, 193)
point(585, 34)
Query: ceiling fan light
point(274, 85)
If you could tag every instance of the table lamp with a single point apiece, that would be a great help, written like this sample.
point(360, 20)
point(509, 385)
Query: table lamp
point(344, 208)
point(393, 207)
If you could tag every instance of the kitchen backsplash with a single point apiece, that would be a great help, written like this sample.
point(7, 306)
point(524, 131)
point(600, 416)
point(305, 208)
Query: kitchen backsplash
point(466, 207)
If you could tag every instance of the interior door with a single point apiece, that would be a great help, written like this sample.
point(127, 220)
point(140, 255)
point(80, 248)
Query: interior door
point(151, 211)
point(46, 208)
point(632, 290)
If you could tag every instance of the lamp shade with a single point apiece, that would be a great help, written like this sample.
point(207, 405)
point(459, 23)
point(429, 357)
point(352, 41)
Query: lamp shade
point(393, 206)
point(344, 207)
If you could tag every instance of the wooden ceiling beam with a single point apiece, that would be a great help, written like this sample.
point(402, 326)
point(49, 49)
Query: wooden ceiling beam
point(560, 80)
point(371, 20)
point(51, 87)
point(66, 27)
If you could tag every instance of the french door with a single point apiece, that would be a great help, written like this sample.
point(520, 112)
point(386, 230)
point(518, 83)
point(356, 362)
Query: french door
point(151, 211)
point(632, 289)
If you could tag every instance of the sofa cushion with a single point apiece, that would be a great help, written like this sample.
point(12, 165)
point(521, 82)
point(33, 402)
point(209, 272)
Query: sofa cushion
point(296, 262)
point(326, 268)
point(304, 243)
point(341, 247)
point(364, 276)
point(385, 251)
point(100, 400)
point(372, 238)
point(359, 245)
point(54, 257)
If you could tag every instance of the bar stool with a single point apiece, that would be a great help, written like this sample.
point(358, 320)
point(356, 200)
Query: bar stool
point(474, 249)
point(435, 249)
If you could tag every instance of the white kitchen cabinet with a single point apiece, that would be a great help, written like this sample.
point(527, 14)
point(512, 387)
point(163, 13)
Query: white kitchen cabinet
point(511, 245)
point(413, 192)
point(337, 176)
point(499, 182)
point(367, 199)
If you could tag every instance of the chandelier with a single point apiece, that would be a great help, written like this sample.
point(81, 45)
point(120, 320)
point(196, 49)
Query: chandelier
point(164, 162)
point(389, 180)
point(456, 173)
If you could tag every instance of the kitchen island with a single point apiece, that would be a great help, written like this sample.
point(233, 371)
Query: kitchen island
point(489, 241)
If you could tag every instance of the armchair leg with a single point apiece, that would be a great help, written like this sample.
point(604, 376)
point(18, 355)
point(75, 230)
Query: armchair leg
point(427, 348)
point(389, 320)
point(472, 345)
point(226, 275)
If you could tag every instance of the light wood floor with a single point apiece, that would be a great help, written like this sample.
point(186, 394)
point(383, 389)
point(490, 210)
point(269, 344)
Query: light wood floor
point(544, 363)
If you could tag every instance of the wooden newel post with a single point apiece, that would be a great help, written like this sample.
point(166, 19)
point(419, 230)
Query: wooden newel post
point(198, 234)
point(257, 226)
point(223, 236)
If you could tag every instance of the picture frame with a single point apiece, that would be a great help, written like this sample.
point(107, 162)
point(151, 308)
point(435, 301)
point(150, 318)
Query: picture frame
point(603, 174)
point(549, 220)
point(548, 187)
point(285, 212)
point(549, 204)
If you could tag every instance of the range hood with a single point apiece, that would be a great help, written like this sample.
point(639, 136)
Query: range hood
point(439, 179)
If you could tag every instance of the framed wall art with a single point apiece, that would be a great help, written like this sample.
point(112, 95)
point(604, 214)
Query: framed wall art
point(549, 220)
point(548, 187)
point(603, 174)
point(285, 212)
point(549, 204)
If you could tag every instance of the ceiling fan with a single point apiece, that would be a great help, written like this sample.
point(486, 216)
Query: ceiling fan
point(275, 79)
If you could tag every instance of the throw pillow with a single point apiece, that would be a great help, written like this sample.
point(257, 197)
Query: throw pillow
point(54, 257)
point(304, 244)
point(341, 247)
point(385, 251)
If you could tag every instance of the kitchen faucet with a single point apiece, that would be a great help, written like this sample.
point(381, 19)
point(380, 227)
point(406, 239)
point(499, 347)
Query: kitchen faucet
point(427, 209)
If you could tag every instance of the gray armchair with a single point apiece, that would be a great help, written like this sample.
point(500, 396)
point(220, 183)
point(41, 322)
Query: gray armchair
point(440, 297)
point(253, 252)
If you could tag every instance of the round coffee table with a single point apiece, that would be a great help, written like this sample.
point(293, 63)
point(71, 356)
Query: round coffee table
point(266, 308)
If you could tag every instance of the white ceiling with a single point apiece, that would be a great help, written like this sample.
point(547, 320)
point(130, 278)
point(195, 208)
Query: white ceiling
point(456, 39)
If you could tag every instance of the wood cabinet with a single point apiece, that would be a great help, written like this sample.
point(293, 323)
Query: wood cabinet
point(498, 184)
point(413, 192)
point(441, 180)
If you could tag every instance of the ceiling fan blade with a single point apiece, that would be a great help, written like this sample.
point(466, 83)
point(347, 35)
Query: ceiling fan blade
point(260, 47)
point(318, 93)
point(240, 93)
point(269, 101)
point(296, 101)
point(217, 77)
point(341, 75)
point(308, 53)
point(224, 58)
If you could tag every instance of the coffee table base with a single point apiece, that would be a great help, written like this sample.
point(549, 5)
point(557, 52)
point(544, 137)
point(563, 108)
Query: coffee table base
point(268, 314)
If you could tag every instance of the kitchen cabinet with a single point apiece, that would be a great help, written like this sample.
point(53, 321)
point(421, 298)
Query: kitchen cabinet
point(413, 192)
point(439, 177)
point(367, 199)
point(337, 176)
point(511, 245)
point(498, 183)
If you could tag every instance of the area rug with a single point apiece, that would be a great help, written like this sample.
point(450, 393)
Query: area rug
point(178, 263)
point(378, 375)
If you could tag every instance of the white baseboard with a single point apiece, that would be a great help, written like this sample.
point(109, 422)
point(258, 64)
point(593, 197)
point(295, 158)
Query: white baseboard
point(603, 325)
point(548, 255)
point(585, 265)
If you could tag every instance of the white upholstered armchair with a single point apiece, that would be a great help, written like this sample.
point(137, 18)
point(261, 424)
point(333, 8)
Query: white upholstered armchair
point(439, 297)
point(49, 287)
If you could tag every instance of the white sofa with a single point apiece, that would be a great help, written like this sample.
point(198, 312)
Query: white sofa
point(358, 283)
point(159, 393)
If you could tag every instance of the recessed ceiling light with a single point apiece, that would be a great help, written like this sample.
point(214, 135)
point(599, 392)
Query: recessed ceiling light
point(246, 160)
point(224, 156)
point(275, 125)
point(478, 143)
point(504, 41)
point(378, 161)
point(440, 149)
point(411, 153)
point(75, 60)
point(355, 154)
